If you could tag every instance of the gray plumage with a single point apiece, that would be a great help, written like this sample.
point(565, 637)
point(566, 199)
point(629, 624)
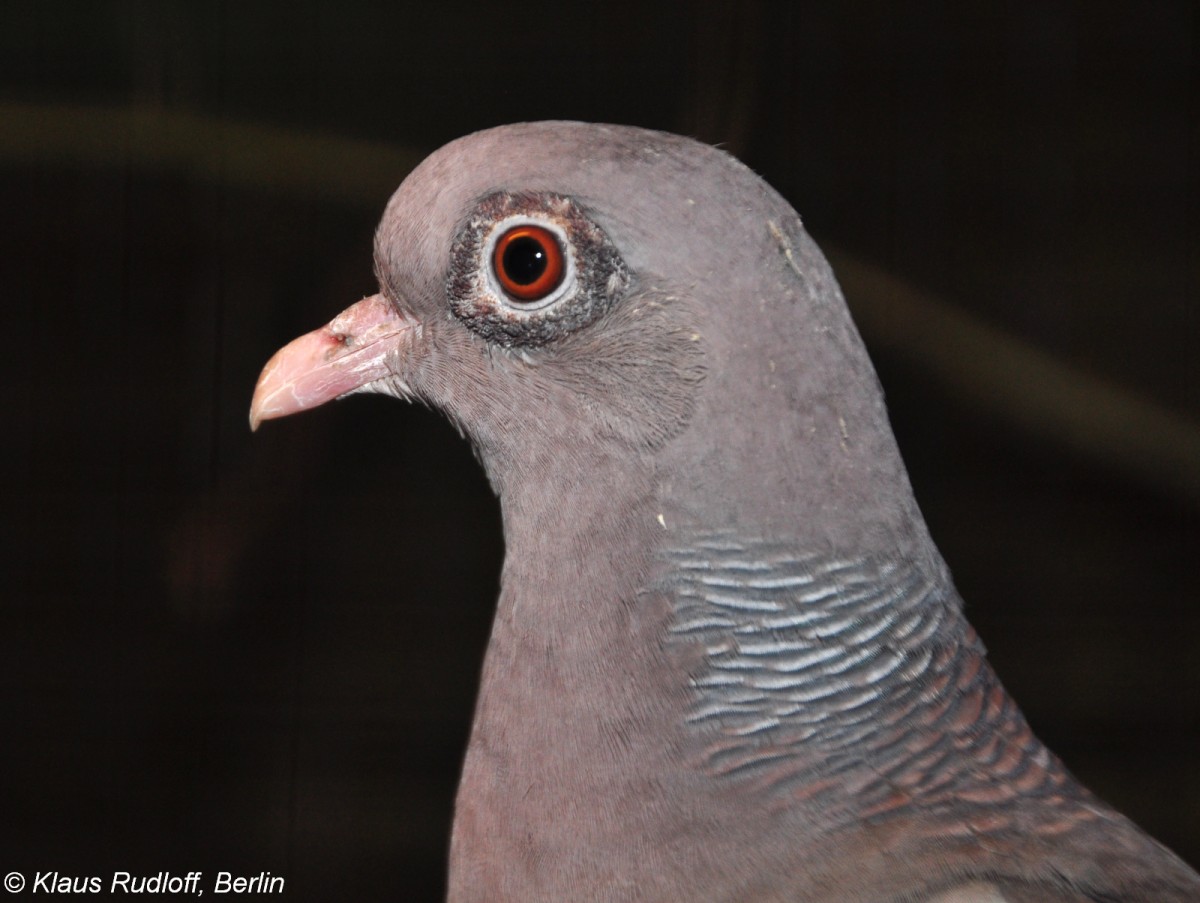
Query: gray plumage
point(727, 661)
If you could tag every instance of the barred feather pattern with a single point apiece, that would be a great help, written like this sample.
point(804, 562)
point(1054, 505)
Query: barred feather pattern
point(853, 679)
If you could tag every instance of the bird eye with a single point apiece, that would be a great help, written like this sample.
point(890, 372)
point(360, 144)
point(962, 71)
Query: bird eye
point(528, 263)
point(527, 268)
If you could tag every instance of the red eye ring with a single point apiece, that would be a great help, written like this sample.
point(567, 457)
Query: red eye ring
point(528, 262)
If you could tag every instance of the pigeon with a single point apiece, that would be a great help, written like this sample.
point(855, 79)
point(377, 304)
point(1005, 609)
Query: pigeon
point(727, 661)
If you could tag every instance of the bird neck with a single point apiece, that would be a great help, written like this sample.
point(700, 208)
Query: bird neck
point(576, 713)
point(851, 686)
point(670, 678)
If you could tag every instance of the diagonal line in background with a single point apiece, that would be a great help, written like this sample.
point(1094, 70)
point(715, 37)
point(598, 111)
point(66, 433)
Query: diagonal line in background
point(1003, 377)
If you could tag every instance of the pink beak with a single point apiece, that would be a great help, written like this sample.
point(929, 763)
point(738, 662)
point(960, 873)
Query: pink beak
point(348, 355)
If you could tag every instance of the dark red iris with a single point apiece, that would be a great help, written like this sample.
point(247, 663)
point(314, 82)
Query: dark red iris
point(528, 262)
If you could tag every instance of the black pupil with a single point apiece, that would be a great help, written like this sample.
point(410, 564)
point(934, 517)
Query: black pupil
point(524, 260)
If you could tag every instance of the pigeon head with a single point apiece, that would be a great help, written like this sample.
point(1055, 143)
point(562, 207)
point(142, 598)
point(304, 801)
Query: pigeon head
point(616, 309)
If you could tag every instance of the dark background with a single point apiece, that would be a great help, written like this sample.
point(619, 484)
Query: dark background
point(259, 653)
